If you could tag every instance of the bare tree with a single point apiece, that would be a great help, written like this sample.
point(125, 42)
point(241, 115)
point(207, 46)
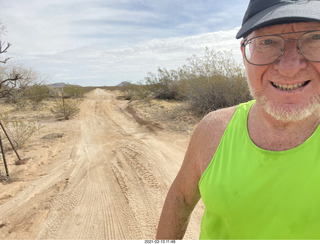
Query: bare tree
point(3, 49)
point(8, 81)
point(18, 88)
point(15, 80)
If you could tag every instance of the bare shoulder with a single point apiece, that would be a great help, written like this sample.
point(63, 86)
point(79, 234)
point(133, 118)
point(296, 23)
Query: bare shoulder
point(202, 146)
point(208, 133)
point(216, 119)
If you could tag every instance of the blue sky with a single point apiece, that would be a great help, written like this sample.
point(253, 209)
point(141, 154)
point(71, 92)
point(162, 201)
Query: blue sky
point(105, 42)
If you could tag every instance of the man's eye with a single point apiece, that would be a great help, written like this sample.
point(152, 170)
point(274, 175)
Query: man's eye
point(267, 42)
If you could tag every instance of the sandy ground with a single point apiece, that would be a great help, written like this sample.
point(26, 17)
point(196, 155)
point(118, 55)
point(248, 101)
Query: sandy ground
point(105, 177)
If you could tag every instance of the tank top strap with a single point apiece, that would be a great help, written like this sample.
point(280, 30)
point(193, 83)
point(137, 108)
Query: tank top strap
point(236, 129)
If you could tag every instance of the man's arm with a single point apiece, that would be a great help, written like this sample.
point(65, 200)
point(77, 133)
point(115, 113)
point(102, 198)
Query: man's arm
point(184, 192)
point(182, 197)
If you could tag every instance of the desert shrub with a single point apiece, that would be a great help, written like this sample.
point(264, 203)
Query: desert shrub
point(54, 92)
point(212, 81)
point(18, 89)
point(215, 81)
point(73, 91)
point(209, 82)
point(164, 84)
point(136, 91)
point(36, 94)
point(20, 131)
point(64, 109)
point(211, 93)
point(21, 104)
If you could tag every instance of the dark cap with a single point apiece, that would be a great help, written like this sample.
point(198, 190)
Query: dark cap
point(261, 13)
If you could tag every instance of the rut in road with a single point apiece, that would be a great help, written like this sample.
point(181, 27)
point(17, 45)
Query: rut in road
point(111, 183)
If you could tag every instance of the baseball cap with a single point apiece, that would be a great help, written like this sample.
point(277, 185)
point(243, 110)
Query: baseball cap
point(261, 13)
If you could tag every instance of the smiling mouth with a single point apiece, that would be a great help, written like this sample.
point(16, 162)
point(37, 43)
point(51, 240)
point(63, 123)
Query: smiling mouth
point(290, 87)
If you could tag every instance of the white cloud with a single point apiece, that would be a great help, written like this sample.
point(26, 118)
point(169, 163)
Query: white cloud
point(99, 65)
point(106, 42)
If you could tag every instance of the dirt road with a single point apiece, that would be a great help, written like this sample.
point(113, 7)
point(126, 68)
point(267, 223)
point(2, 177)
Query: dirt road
point(108, 182)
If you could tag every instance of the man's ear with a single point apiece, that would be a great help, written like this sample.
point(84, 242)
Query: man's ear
point(242, 51)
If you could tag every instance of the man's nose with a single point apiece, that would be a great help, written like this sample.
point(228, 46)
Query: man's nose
point(291, 61)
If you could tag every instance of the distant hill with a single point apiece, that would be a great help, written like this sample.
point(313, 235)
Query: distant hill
point(57, 85)
point(124, 83)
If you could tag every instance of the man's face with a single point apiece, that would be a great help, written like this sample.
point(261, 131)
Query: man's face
point(288, 89)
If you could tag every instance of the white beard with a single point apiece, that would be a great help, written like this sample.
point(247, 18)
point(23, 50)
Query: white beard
point(294, 114)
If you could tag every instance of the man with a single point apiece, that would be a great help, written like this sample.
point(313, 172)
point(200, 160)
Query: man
point(256, 166)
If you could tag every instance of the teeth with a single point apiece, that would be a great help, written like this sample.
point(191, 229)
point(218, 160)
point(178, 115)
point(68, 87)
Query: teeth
point(288, 87)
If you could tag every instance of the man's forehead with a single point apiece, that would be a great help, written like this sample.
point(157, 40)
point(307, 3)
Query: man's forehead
point(285, 28)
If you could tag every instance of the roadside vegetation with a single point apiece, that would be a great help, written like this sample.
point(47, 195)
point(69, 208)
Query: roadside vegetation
point(24, 90)
point(206, 83)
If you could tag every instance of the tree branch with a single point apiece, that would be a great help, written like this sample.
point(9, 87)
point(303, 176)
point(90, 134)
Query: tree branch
point(5, 46)
point(17, 77)
point(3, 49)
point(4, 61)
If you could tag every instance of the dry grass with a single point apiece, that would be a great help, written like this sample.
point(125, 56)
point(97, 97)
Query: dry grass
point(38, 147)
point(173, 115)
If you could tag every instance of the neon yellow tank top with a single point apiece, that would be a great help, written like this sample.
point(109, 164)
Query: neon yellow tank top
point(251, 193)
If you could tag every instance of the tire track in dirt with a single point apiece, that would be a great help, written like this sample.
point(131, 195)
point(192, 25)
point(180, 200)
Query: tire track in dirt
point(110, 184)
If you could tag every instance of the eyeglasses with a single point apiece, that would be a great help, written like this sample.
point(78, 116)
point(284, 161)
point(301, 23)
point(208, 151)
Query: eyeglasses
point(264, 50)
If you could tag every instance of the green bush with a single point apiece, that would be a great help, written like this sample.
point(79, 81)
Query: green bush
point(216, 81)
point(20, 131)
point(73, 91)
point(64, 109)
point(163, 85)
point(208, 83)
point(136, 91)
point(36, 94)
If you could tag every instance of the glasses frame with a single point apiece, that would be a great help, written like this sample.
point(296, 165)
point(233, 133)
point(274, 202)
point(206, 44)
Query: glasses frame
point(246, 41)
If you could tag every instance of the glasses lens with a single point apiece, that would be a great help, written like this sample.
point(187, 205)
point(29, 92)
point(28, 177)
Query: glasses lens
point(264, 50)
point(309, 44)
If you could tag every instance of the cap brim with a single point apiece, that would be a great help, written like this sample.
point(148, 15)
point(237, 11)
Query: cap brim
point(299, 11)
